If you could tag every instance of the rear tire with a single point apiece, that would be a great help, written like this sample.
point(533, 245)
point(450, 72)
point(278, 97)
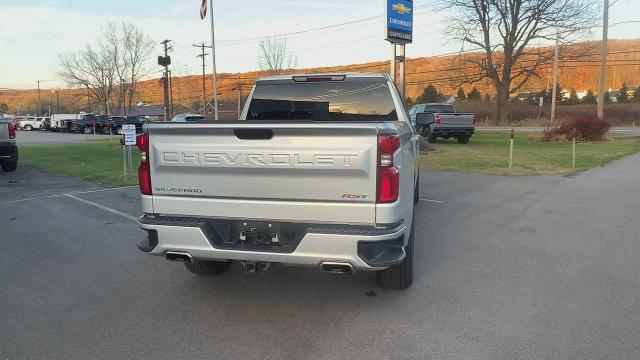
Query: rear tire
point(429, 136)
point(399, 276)
point(9, 166)
point(464, 139)
point(28, 128)
point(207, 268)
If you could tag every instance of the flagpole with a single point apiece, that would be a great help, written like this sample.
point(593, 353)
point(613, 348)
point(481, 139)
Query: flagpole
point(213, 58)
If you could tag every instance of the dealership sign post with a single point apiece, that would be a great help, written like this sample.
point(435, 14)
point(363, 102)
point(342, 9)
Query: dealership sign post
point(399, 32)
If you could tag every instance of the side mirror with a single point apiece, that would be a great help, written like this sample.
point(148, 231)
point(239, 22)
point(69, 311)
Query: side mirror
point(424, 118)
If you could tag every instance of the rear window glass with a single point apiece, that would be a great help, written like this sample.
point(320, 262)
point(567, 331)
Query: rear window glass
point(194, 118)
point(439, 109)
point(361, 100)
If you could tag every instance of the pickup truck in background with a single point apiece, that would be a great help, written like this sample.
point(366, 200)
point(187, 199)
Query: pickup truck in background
point(441, 120)
point(62, 122)
point(31, 123)
point(8, 147)
point(320, 171)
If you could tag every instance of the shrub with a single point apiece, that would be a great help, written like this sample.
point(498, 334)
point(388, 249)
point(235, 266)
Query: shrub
point(586, 127)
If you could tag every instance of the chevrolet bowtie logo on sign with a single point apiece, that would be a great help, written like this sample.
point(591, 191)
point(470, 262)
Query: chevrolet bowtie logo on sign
point(400, 8)
point(399, 23)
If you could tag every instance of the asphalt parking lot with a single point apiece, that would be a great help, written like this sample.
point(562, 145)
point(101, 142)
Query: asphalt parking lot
point(507, 268)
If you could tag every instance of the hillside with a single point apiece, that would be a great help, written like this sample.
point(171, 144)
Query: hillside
point(624, 66)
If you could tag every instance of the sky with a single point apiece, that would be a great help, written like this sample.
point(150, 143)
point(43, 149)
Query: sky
point(33, 33)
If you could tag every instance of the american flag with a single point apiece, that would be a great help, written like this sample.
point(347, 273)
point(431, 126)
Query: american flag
point(203, 9)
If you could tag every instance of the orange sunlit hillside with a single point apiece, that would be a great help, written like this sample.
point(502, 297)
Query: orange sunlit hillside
point(624, 66)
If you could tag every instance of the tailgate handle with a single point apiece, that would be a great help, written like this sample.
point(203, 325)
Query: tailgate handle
point(253, 134)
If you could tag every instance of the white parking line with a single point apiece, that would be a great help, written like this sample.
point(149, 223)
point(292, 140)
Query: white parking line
point(113, 211)
point(433, 201)
point(65, 194)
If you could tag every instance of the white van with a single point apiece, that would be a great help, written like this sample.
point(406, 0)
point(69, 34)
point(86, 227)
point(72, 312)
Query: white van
point(57, 120)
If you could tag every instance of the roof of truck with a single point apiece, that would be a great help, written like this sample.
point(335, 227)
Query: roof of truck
point(347, 74)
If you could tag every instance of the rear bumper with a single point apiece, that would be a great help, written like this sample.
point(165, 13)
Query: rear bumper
point(364, 248)
point(8, 152)
point(453, 131)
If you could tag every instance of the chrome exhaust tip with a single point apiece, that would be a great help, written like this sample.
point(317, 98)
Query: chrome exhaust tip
point(337, 267)
point(178, 256)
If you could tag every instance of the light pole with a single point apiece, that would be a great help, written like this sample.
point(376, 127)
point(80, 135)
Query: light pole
point(39, 104)
point(49, 112)
point(57, 102)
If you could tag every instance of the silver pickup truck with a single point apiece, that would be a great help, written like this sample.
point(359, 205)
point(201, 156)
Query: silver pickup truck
point(320, 171)
point(8, 147)
point(441, 120)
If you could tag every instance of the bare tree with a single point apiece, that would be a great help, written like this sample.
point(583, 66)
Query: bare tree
point(137, 49)
point(507, 31)
point(119, 58)
point(92, 69)
point(275, 55)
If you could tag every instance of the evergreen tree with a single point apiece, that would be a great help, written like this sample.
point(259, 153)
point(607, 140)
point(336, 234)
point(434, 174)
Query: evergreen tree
point(408, 102)
point(474, 94)
point(429, 95)
point(573, 98)
point(636, 95)
point(559, 94)
point(624, 94)
point(607, 98)
point(461, 95)
point(546, 96)
point(589, 98)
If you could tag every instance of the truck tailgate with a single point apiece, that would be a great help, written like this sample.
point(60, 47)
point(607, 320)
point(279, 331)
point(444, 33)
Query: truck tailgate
point(456, 120)
point(290, 171)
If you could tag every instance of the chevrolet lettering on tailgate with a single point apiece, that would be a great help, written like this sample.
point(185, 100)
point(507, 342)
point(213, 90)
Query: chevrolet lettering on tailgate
point(253, 159)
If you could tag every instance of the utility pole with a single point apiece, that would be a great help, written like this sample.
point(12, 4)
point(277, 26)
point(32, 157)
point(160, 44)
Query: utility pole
point(603, 59)
point(39, 96)
point(213, 60)
point(165, 78)
point(49, 113)
point(239, 96)
point(554, 92)
point(170, 94)
point(88, 101)
point(204, 85)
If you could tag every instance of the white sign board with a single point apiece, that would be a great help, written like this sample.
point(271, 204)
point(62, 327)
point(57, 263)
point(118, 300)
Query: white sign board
point(541, 102)
point(129, 131)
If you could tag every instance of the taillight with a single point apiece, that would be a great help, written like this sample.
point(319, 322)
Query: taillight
point(144, 171)
point(388, 175)
point(12, 131)
point(438, 119)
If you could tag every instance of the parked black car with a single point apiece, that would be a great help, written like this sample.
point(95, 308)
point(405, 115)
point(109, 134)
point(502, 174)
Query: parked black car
point(113, 125)
point(88, 124)
point(138, 121)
